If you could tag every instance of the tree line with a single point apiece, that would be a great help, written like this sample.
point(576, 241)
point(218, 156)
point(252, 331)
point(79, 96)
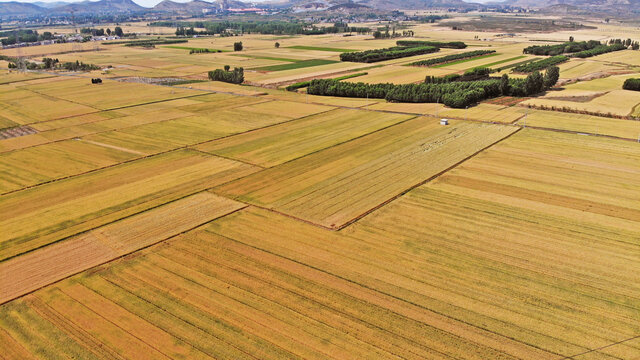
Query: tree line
point(564, 48)
point(101, 32)
point(455, 94)
point(187, 28)
point(631, 84)
point(26, 36)
point(235, 76)
point(540, 64)
point(598, 50)
point(49, 64)
point(438, 44)
point(369, 56)
point(452, 57)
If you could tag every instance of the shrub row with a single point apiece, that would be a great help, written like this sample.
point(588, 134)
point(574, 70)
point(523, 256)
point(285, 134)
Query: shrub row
point(452, 57)
point(541, 64)
point(478, 73)
point(204, 50)
point(369, 56)
point(236, 76)
point(147, 42)
point(631, 84)
point(303, 84)
point(602, 49)
point(438, 44)
point(456, 94)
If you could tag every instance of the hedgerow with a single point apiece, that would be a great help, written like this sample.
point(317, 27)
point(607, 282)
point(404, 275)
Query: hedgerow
point(452, 57)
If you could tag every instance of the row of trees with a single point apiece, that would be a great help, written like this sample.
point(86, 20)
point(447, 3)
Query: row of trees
point(203, 51)
point(456, 94)
point(628, 43)
point(101, 32)
point(20, 36)
point(369, 56)
point(564, 48)
point(226, 75)
point(452, 57)
point(438, 44)
point(540, 64)
point(187, 28)
point(598, 50)
point(50, 64)
point(631, 84)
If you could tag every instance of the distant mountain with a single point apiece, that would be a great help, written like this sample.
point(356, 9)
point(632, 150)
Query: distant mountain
point(567, 4)
point(419, 4)
point(51, 5)
point(195, 6)
point(14, 8)
point(100, 7)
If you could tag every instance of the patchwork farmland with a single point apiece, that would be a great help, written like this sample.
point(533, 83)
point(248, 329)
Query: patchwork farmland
point(160, 215)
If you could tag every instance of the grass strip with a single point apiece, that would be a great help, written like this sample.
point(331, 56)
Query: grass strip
point(267, 58)
point(317, 48)
point(296, 65)
point(504, 61)
point(465, 60)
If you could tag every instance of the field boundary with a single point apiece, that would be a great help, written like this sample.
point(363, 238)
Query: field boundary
point(402, 300)
point(127, 253)
point(600, 348)
point(357, 218)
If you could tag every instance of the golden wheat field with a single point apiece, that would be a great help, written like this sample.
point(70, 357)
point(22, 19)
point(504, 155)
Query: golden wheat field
point(161, 215)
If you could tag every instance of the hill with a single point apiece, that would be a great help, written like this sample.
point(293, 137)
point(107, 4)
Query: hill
point(14, 8)
point(195, 6)
point(100, 7)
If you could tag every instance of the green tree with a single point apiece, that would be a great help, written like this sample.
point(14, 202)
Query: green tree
point(551, 76)
point(237, 46)
point(118, 31)
point(505, 87)
point(277, 45)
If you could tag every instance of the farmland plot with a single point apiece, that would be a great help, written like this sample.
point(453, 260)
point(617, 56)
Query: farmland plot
point(339, 184)
point(277, 144)
point(121, 94)
point(41, 267)
point(471, 261)
point(582, 123)
point(57, 210)
point(39, 164)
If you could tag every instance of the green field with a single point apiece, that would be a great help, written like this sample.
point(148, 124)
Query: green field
point(296, 65)
point(319, 48)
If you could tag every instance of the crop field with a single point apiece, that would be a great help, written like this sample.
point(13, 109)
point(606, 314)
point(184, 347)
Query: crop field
point(64, 208)
point(160, 215)
point(281, 143)
point(334, 186)
point(628, 129)
point(616, 102)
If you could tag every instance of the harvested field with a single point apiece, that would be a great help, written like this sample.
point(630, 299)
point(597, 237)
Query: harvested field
point(16, 132)
point(628, 129)
point(334, 186)
point(486, 112)
point(616, 102)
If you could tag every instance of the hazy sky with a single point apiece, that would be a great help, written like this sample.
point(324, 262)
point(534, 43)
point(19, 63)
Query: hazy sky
point(150, 3)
